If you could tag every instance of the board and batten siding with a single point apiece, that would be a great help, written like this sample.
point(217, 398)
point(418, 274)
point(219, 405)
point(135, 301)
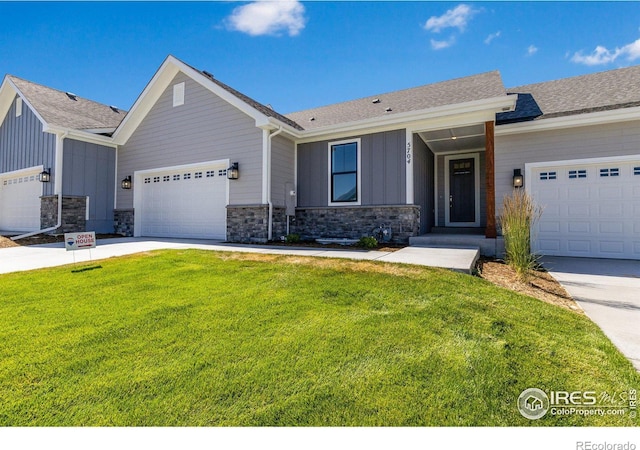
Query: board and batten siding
point(383, 168)
point(282, 168)
point(594, 141)
point(204, 128)
point(423, 175)
point(23, 144)
point(89, 170)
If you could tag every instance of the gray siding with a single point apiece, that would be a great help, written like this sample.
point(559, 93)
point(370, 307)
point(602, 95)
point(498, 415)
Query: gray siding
point(383, 170)
point(89, 170)
point(282, 168)
point(513, 151)
point(24, 145)
point(205, 128)
point(423, 177)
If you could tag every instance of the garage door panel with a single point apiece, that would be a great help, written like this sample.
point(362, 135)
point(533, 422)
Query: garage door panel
point(188, 203)
point(20, 201)
point(589, 210)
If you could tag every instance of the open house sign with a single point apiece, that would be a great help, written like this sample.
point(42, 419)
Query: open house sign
point(80, 241)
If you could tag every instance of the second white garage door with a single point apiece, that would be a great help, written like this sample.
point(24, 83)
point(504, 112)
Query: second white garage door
point(20, 200)
point(590, 210)
point(183, 202)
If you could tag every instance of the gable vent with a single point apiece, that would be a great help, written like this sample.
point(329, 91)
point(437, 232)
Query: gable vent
point(72, 96)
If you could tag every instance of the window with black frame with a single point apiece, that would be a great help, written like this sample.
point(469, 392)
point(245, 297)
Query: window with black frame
point(344, 172)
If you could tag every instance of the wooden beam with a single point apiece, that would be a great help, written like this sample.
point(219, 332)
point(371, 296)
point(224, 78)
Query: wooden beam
point(490, 177)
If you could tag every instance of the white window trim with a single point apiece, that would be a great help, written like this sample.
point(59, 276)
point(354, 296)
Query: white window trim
point(358, 143)
point(447, 174)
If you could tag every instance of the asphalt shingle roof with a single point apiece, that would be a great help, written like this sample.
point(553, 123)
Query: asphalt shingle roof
point(58, 108)
point(460, 90)
point(614, 89)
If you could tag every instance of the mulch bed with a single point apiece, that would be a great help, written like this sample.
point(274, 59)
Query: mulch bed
point(541, 284)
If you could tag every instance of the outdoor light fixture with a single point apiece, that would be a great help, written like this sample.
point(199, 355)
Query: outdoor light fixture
point(126, 183)
point(45, 176)
point(232, 171)
point(518, 178)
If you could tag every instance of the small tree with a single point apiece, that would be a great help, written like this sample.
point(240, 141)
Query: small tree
point(519, 214)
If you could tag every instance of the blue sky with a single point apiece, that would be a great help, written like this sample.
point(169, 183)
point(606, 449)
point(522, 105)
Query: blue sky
point(297, 55)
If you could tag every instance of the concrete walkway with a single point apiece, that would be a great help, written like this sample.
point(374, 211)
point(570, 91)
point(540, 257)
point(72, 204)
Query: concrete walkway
point(609, 292)
point(17, 259)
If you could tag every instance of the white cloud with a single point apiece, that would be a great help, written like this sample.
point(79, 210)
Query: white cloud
point(439, 45)
point(268, 18)
point(492, 36)
point(532, 50)
point(457, 17)
point(602, 55)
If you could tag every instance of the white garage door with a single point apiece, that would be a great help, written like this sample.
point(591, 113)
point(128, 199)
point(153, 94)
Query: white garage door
point(590, 210)
point(186, 203)
point(20, 200)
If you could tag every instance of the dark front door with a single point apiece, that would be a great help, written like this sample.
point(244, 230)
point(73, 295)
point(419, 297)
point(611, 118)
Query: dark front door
point(462, 190)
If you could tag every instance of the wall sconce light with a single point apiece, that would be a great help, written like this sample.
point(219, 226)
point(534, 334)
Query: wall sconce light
point(126, 183)
point(518, 178)
point(45, 176)
point(232, 171)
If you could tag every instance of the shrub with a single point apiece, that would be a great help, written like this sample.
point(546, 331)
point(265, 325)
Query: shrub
point(292, 238)
point(367, 242)
point(519, 213)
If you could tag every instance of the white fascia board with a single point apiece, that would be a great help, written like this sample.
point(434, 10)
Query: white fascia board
point(422, 120)
point(81, 136)
point(578, 120)
point(7, 96)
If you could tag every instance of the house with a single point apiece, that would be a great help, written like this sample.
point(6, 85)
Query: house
point(195, 158)
point(43, 130)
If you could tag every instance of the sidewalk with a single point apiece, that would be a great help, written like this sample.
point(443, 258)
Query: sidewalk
point(17, 259)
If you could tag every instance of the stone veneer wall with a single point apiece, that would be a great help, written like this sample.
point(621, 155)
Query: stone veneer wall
point(74, 213)
point(353, 222)
point(247, 223)
point(123, 221)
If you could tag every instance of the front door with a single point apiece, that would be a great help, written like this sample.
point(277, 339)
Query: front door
point(462, 195)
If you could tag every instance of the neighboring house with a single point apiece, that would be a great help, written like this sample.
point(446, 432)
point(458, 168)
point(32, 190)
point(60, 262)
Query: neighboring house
point(43, 130)
point(428, 160)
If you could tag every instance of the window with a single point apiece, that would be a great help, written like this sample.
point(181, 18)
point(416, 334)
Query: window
point(610, 172)
point(211, 173)
point(197, 175)
point(344, 162)
point(176, 178)
point(548, 175)
point(581, 173)
point(636, 170)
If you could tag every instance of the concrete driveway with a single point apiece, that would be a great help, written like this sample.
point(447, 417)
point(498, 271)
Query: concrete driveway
point(609, 292)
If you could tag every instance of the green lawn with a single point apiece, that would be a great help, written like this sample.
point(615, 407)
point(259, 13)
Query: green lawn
point(202, 338)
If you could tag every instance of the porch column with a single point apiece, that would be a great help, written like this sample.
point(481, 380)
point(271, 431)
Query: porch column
point(489, 127)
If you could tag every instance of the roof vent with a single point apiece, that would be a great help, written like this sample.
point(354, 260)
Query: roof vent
point(388, 110)
point(115, 109)
point(269, 106)
point(207, 74)
point(311, 119)
point(376, 100)
point(72, 96)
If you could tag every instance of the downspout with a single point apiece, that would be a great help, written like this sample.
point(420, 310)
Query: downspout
point(269, 202)
point(58, 188)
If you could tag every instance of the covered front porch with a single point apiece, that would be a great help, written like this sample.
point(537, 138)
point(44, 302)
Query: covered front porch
point(454, 185)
